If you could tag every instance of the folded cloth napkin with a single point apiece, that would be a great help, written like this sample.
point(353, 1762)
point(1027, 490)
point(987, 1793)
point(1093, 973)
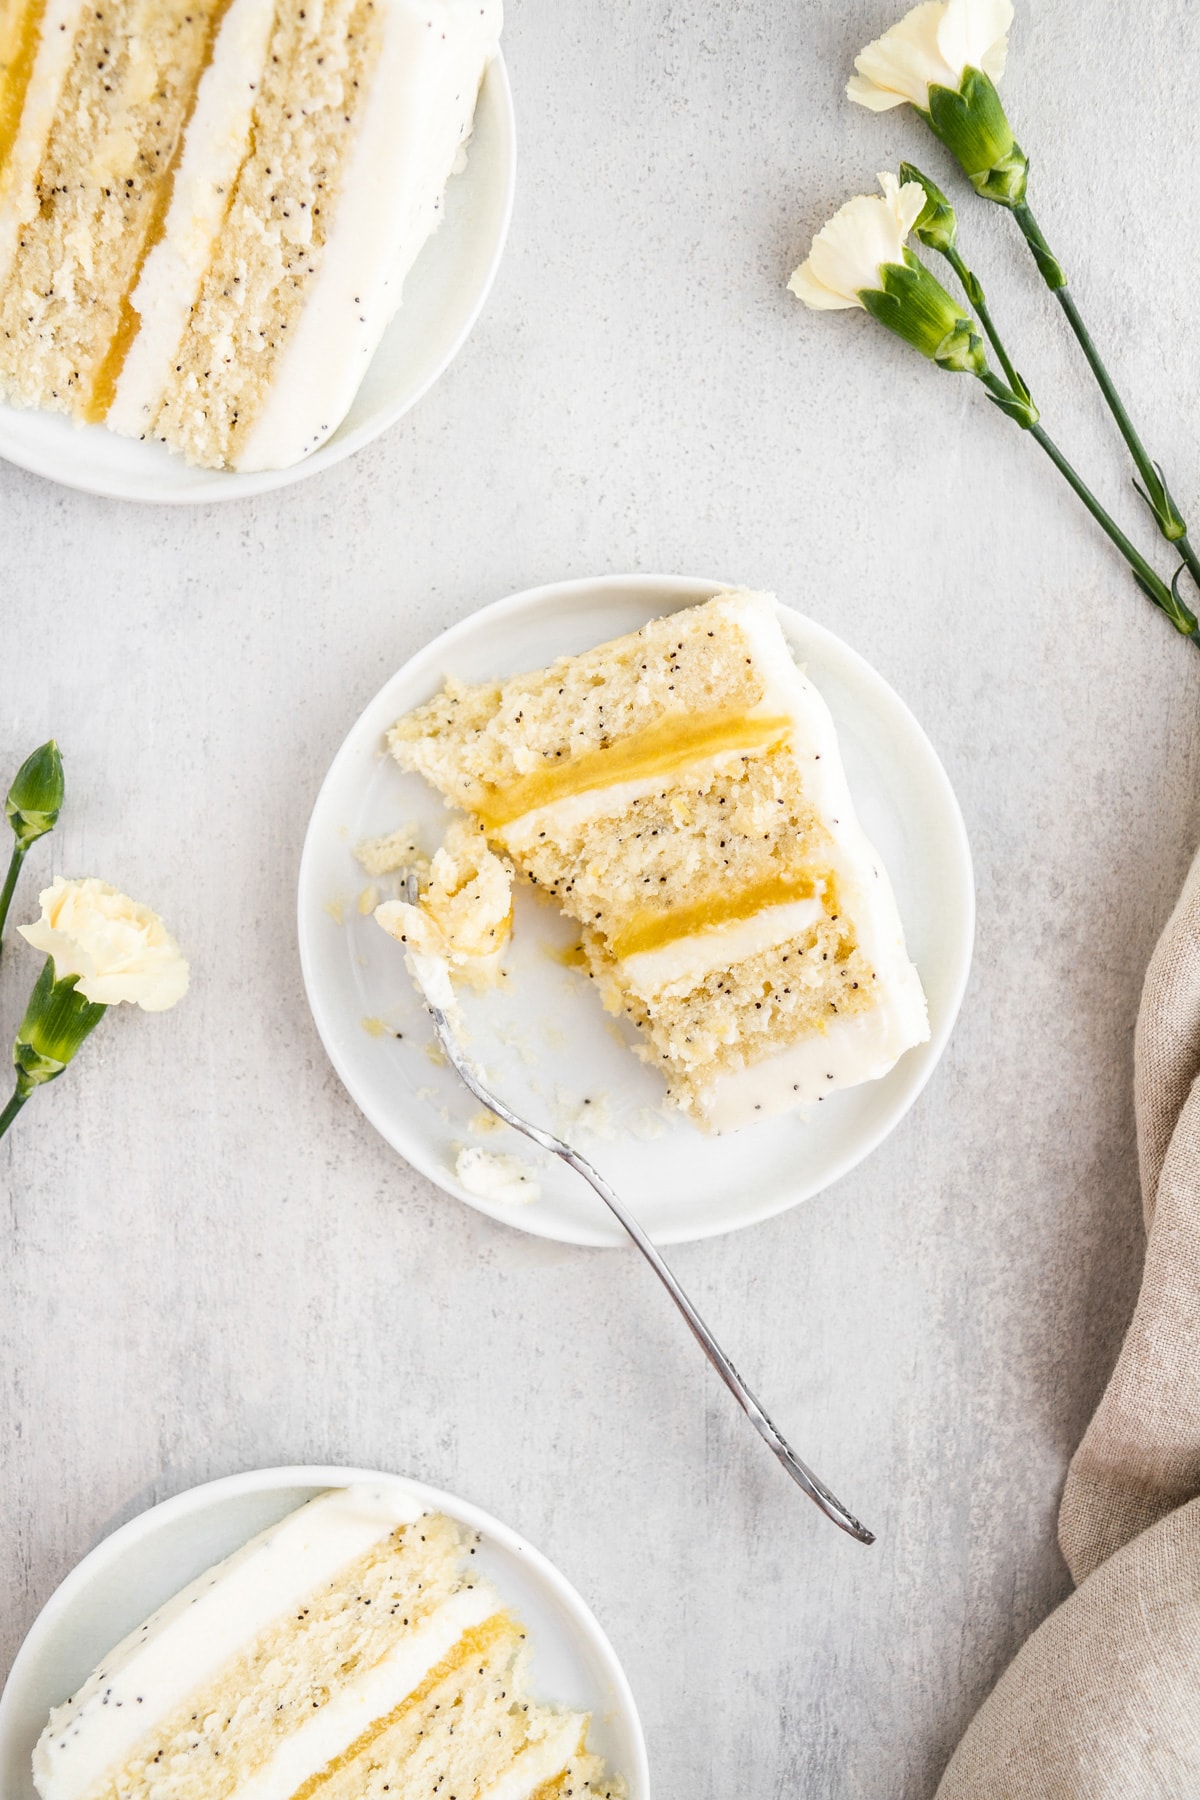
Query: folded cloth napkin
point(1103, 1702)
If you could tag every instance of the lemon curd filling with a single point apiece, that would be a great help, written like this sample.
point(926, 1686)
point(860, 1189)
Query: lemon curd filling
point(20, 35)
point(654, 930)
point(94, 409)
point(671, 745)
point(472, 1644)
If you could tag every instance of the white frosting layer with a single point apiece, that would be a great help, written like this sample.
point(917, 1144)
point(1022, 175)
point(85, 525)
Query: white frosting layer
point(650, 973)
point(215, 145)
point(574, 810)
point(56, 48)
point(331, 1730)
point(188, 1640)
point(841, 1057)
point(414, 122)
point(850, 1051)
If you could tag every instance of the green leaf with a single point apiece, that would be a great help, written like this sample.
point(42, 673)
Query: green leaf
point(36, 795)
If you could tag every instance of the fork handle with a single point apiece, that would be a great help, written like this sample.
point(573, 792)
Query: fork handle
point(801, 1474)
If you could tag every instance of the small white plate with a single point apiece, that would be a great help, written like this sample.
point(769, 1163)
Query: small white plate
point(125, 1578)
point(443, 296)
point(543, 1039)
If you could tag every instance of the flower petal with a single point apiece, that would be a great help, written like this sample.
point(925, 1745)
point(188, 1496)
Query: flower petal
point(847, 253)
point(875, 99)
point(994, 60)
point(119, 949)
point(909, 204)
point(815, 294)
point(970, 33)
point(907, 60)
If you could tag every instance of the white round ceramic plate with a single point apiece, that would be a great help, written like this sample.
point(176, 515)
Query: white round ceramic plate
point(443, 296)
point(127, 1576)
point(542, 1039)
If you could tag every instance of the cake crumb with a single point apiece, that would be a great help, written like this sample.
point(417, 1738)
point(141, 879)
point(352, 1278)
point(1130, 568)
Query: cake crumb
point(374, 1027)
point(485, 1122)
point(394, 851)
point(368, 900)
point(336, 908)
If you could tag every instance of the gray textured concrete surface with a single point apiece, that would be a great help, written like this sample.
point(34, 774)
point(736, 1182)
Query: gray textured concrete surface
point(210, 1260)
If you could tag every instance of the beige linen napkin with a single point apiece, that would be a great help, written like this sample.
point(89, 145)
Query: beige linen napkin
point(1103, 1702)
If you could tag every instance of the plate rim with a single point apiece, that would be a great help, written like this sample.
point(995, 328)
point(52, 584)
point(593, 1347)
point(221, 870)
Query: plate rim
point(687, 589)
point(246, 486)
point(331, 1475)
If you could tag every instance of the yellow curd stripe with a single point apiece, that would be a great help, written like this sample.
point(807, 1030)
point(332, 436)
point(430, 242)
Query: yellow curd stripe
point(94, 409)
point(472, 1643)
point(668, 747)
point(653, 931)
point(19, 48)
point(550, 1790)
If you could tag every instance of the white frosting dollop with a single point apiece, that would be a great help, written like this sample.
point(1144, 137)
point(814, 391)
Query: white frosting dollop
point(491, 1175)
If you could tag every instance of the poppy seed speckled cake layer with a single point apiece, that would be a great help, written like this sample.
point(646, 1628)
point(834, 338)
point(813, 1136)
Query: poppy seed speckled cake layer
point(208, 207)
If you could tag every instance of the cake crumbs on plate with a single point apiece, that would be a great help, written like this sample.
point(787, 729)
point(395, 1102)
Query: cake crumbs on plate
point(389, 854)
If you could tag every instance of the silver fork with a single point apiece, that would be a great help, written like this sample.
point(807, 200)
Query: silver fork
point(801, 1474)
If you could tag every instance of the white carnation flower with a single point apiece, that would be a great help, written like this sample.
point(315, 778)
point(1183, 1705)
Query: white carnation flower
point(932, 46)
point(119, 949)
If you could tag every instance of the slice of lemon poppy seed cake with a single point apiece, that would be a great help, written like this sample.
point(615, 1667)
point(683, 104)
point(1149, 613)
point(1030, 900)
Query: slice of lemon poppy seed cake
point(350, 1652)
point(680, 793)
point(208, 207)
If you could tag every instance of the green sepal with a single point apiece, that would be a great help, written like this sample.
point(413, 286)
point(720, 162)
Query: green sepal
point(972, 286)
point(937, 226)
point(1049, 267)
point(1017, 406)
point(972, 123)
point(1170, 521)
point(36, 795)
point(57, 1020)
point(1181, 615)
point(911, 303)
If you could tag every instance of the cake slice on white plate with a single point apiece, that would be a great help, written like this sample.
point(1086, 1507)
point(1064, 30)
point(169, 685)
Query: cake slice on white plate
point(350, 1652)
point(208, 207)
point(680, 793)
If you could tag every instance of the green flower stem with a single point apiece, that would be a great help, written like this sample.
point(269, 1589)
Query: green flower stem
point(6, 892)
point(1151, 584)
point(974, 292)
point(19, 1097)
point(1152, 487)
